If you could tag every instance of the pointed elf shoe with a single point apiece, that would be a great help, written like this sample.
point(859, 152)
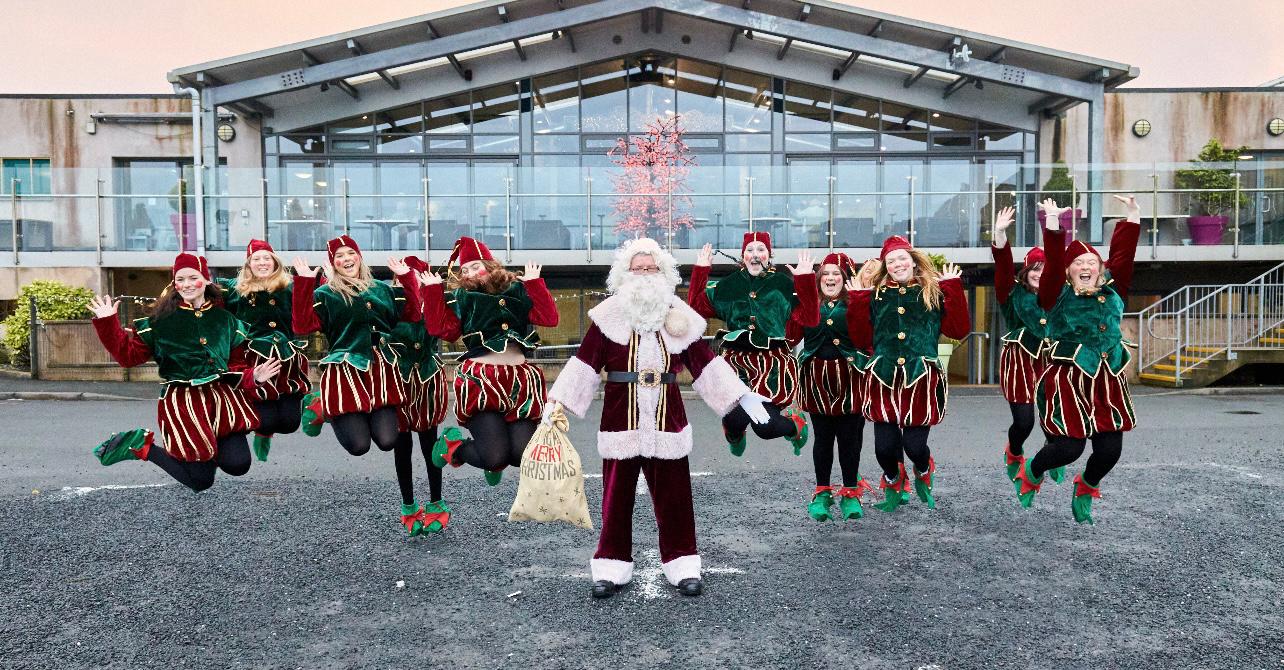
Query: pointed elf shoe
point(1025, 484)
point(849, 498)
point(799, 439)
point(412, 518)
point(436, 515)
point(923, 482)
point(313, 415)
point(1081, 504)
point(1057, 474)
point(131, 445)
point(493, 477)
point(262, 444)
point(1011, 462)
point(443, 450)
point(894, 494)
point(736, 445)
point(821, 500)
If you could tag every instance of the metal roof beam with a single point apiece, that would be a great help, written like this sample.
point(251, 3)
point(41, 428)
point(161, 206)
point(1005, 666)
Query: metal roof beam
point(802, 16)
point(356, 49)
point(517, 43)
point(246, 108)
point(912, 78)
point(999, 55)
point(847, 64)
point(347, 88)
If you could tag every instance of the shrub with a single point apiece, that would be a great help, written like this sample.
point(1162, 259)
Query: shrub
point(54, 301)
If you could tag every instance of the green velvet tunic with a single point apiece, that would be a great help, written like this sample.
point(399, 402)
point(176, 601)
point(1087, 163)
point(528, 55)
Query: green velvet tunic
point(193, 346)
point(1026, 321)
point(490, 320)
point(1085, 330)
point(416, 350)
point(831, 331)
point(266, 315)
point(756, 309)
point(355, 329)
point(905, 333)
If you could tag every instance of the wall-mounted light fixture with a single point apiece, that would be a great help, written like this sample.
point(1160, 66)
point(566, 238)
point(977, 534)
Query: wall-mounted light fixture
point(1275, 127)
point(225, 132)
point(1141, 128)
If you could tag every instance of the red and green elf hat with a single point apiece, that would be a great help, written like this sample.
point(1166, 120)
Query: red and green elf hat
point(256, 246)
point(759, 236)
point(417, 264)
point(339, 242)
point(892, 244)
point(844, 262)
point(192, 261)
point(1035, 255)
point(468, 250)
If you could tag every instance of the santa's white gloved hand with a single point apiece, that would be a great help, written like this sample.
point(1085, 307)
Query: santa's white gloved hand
point(755, 406)
point(549, 410)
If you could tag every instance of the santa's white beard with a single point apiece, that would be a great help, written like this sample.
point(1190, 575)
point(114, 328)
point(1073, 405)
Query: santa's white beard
point(646, 301)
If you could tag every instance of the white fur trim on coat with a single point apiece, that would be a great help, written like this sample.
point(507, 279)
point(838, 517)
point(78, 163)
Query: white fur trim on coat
point(575, 386)
point(649, 442)
point(682, 567)
point(719, 386)
point(612, 320)
point(611, 570)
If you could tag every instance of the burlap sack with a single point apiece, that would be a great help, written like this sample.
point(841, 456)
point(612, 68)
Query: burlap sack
point(551, 487)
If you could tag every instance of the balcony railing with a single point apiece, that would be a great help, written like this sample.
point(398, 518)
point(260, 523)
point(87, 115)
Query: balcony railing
point(399, 206)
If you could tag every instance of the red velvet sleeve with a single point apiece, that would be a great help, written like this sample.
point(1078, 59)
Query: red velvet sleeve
point(793, 332)
point(1004, 272)
point(696, 296)
point(807, 311)
point(239, 361)
point(696, 357)
point(543, 307)
point(303, 314)
point(1054, 268)
point(125, 347)
point(1123, 252)
point(859, 326)
point(439, 319)
point(956, 320)
point(413, 310)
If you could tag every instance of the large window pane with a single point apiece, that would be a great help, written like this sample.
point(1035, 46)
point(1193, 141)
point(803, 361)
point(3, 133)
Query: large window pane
point(901, 118)
point(604, 97)
point(699, 96)
point(855, 206)
point(358, 125)
point(448, 115)
point(748, 102)
point(806, 107)
point(651, 83)
point(853, 113)
point(557, 103)
point(400, 121)
point(496, 109)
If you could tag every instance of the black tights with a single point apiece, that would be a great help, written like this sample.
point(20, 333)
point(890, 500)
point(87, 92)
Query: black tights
point(280, 416)
point(735, 424)
point(893, 443)
point(1106, 449)
point(845, 429)
point(1022, 426)
point(356, 429)
point(401, 454)
point(233, 457)
point(496, 442)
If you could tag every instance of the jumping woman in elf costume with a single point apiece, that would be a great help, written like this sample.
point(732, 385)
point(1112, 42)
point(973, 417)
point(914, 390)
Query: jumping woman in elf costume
point(499, 397)
point(204, 411)
point(757, 303)
point(1021, 360)
point(905, 387)
point(360, 385)
point(831, 377)
point(260, 297)
point(424, 381)
point(1083, 394)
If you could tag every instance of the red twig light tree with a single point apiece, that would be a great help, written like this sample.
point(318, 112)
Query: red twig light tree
point(652, 184)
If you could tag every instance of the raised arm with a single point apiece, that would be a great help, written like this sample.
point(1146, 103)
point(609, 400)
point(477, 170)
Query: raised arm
point(860, 327)
point(697, 294)
point(543, 307)
point(412, 311)
point(807, 308)
point(303, 314)
point(125, 346)
point(1004, 271)
point(1054, 247)
point(439, 319)
point(1123, 246)
point(956, 320)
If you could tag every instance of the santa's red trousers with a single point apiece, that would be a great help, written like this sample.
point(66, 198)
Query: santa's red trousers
point(669, 482)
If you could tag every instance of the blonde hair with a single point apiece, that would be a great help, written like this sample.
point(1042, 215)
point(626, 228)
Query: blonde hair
point(247, 283)
point(926, 274)
point(349, 288)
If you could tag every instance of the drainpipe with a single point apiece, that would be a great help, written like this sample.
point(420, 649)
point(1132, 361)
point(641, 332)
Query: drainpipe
point(198, 165)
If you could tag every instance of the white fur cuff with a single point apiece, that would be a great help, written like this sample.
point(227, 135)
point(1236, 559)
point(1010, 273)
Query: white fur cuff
point(616, 572)
point(719, 386)
point(625, 444)
point(575, 386)
point(680, 568)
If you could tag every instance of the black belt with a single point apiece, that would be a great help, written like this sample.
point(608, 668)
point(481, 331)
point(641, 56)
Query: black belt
point(643, 378)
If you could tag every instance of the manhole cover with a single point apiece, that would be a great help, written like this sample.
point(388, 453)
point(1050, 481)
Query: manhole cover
point(1242, 411)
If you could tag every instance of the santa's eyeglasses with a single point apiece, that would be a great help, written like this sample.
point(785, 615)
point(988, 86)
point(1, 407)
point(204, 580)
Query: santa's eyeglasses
point(645, 271)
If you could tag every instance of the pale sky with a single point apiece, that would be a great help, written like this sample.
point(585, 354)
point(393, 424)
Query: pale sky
point(83, 46)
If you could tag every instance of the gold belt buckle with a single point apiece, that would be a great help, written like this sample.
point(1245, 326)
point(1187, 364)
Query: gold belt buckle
point(649, 378)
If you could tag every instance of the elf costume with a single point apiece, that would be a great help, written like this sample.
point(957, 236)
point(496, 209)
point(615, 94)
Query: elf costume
point(905, 387)
point(204, 409)
point(1083, 393)
point(756, 310)
point(832, 379)
point(267, 317)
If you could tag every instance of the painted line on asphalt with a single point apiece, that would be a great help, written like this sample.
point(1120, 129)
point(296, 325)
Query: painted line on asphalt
point(69, 492)
point(598, 475)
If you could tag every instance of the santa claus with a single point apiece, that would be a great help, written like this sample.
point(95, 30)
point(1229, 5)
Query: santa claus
point(643, 335)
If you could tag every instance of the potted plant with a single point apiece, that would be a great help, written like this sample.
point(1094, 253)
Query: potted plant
point(945, 346)
point(1211, 205)
point(1058, 187)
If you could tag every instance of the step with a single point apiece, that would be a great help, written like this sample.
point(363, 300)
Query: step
point(1274, 341)
point(1171, 369)
point(1160, 379)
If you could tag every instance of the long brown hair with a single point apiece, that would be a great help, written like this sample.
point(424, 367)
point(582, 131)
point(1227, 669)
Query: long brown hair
point(247, 283)
point(1023, 277)
point(926, 274)
point(169, 300)
point(498, 279)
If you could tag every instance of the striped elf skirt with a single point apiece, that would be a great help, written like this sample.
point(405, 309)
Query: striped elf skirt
point(425, 404)
point(1019, 373)
point(830, 386)
point(919, 404)
point(345, 389)
point(1073, 403)
point(771, 373)
point(193, 418)
point(292, 379)
point(516, 391)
